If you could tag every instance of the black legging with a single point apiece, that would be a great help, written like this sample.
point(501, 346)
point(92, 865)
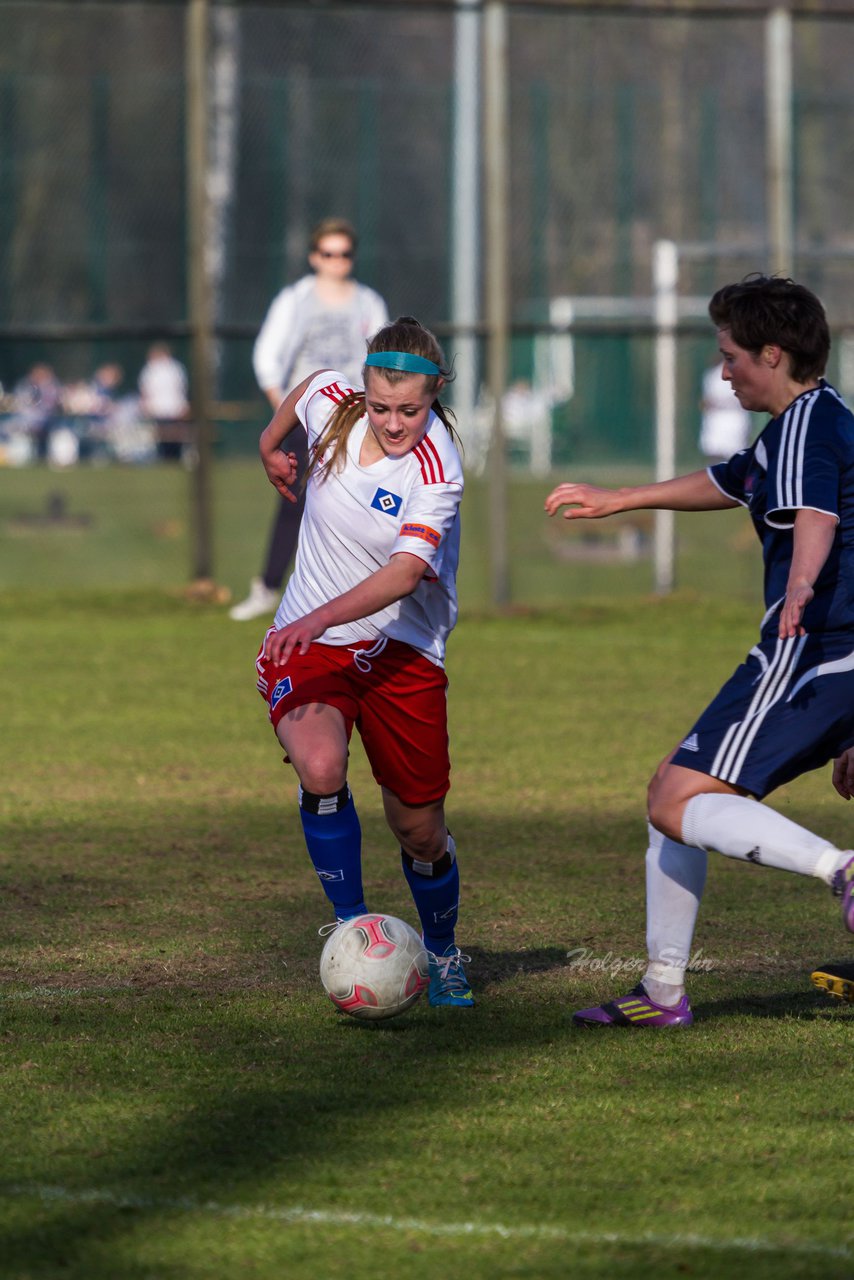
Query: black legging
point(285, 531)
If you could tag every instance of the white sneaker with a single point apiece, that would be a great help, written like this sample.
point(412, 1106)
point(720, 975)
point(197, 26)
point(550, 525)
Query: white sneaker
point(261, 599)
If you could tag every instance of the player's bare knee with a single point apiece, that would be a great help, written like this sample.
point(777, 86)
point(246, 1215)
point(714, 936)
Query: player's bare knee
point(664, 812)
point(653, 796)
point(421, 837)
point(321, 774)
point(664, 803)
point(425, 850)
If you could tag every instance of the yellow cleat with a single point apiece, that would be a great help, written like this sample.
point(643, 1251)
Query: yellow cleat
point(836, 979)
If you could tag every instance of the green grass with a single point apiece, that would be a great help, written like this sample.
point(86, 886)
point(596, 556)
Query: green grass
point(179, 1098)
point(132, 525)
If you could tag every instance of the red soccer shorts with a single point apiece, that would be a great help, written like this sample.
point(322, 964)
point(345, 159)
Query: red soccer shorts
point(396, 698)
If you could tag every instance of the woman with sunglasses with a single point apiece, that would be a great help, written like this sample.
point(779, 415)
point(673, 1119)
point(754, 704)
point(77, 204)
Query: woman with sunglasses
point(359, 637)
point(320, 322)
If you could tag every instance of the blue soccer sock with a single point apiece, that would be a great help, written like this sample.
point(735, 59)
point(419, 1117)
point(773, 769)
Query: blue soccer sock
point(333, 836)
point(435, 889)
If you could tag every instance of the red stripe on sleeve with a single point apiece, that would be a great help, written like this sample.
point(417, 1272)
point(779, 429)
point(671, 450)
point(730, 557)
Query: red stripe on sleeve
point(437, 460)
point(420, 456)
point(333, 392)
point(428, 473)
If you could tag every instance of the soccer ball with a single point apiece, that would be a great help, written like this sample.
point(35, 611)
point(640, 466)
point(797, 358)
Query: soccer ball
point(374, 966)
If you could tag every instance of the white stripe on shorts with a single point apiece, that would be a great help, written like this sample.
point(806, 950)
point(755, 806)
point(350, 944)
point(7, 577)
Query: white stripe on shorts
point(732, 752)
point(824, 669)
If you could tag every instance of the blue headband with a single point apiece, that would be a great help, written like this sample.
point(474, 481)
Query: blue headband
point(404, 360)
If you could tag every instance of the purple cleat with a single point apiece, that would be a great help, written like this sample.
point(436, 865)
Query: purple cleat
point(635, 1010)
point(843, 887)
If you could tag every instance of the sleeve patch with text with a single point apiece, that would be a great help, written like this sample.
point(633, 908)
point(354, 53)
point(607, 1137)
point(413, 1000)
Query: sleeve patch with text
point(422, 531)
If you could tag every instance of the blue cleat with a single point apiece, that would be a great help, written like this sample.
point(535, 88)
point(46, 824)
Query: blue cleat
point(448, 981)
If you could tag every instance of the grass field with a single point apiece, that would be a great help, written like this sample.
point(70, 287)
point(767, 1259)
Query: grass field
point(130, 526)
point(180, 1099)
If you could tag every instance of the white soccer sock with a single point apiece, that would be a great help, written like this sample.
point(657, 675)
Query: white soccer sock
point(742, 828)
point(675, 878)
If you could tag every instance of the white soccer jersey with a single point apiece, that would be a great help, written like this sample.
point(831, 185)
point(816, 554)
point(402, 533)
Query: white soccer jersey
point(357, 518)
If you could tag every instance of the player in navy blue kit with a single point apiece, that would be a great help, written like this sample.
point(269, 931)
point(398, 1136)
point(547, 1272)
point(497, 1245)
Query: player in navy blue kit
point(789, 707)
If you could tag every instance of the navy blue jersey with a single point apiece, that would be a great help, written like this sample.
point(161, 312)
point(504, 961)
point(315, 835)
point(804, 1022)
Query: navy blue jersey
point(802, 459)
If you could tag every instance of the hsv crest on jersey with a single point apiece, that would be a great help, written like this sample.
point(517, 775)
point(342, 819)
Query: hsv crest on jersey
point(389, 503)
point(282, 689)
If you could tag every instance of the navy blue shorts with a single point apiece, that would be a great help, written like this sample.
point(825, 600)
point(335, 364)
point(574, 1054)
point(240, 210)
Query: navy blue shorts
point(787, 709)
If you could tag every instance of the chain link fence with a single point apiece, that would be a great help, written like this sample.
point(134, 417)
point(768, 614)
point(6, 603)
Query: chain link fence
point(628, 124)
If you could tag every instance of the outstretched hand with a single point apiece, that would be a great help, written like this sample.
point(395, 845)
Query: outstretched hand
point(584, 501)
point(282, 471)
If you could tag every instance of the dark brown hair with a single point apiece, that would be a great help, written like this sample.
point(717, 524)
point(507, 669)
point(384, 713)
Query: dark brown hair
point(762, 310)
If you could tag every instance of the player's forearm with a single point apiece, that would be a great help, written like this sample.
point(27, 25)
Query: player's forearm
point(692, 492)
point(387, 585)
point(814, 532)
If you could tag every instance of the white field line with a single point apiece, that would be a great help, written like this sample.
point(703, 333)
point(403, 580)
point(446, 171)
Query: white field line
point(297, 1215)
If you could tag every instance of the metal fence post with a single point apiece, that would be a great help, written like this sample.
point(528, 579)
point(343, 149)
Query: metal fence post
point(778, 107)
point(497, 281)
point(665, 276)
point(465, 236)
point(201, 319)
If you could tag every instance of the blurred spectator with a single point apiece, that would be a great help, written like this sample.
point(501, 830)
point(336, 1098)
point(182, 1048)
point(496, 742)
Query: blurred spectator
point(105, 384)
point(164, 390)
point(104, 390)
point(37, 402)
point(725, 426)
point(321, 321)
point(89, 408)
point(131, 437)
point(526, 419)
point(90, 420)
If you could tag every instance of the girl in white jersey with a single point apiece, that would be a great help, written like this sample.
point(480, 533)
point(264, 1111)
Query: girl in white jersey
point(359, 637)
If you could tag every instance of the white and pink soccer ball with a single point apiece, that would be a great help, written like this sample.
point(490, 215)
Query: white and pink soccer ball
point(374, 966)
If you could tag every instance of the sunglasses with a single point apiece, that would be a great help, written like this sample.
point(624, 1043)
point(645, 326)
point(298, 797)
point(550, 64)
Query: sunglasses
point(328, 253)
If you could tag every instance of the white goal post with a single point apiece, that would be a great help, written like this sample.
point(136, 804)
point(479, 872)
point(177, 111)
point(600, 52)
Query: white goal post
point(665, 280)
point(668, 309)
